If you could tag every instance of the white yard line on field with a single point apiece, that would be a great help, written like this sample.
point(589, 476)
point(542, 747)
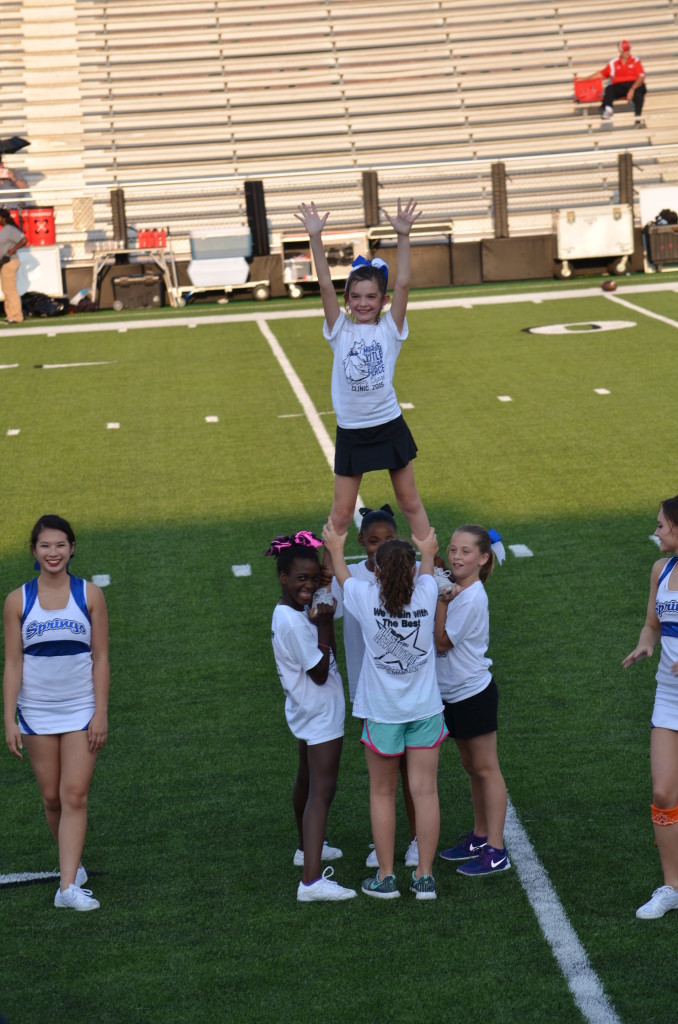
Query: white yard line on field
point(639, 309)
point(26, 876)
point(584, 984)
point(310, 411)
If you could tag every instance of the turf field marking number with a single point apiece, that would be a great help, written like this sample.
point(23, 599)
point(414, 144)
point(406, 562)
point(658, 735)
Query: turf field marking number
point(585, 327)
point(242, 570)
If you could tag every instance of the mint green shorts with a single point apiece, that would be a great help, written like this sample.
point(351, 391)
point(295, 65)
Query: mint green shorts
point(392, 739)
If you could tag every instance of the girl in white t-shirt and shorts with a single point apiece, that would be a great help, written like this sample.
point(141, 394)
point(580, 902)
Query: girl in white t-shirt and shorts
point(397, 697)
point(304, 650)
point(470, 697)
point(377, 525)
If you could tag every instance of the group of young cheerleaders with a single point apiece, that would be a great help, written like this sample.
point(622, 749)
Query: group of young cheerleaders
point(415, 635)
point(416, 638)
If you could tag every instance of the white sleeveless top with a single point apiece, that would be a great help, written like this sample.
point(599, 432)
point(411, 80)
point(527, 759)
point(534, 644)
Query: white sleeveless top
point(667, 613)
point(57, 689)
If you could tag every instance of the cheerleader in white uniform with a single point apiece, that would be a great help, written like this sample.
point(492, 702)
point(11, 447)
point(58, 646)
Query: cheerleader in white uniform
point(661, 623)
point(56, 683)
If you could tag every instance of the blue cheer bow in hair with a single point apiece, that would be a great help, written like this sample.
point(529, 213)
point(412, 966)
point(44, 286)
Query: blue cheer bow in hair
point(497, 546)
point(377, 263)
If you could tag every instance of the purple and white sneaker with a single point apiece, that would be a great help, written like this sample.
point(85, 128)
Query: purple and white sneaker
point(490, 861)
point(468, 847)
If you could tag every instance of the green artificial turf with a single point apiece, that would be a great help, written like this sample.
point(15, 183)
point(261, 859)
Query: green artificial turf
point(191, 830)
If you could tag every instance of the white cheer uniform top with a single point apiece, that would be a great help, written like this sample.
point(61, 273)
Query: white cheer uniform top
point(57, 689)
point(667, 613)
point(362, 373)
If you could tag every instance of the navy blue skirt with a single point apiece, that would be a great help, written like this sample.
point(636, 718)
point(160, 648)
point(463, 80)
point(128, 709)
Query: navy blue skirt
point(386, 446)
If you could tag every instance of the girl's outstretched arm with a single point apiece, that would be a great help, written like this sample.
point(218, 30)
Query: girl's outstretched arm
point(334, 542)
point(429, 549)
point(651, 631)
point(402, 225)
point(314, 224)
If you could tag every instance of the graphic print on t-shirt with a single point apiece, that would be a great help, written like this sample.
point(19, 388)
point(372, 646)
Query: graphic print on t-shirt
point(364, 365)
point(399, 644)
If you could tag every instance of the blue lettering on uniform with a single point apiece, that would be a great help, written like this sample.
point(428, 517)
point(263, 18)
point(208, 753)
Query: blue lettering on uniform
point(38, 628)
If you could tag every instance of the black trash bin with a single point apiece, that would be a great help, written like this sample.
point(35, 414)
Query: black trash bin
point(147, 292)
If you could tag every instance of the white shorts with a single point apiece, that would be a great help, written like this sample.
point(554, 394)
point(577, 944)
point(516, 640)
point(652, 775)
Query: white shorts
point(665, 711)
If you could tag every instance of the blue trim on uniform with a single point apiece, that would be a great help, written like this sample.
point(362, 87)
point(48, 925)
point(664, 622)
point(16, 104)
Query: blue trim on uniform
point(667, 569)
point(25, 727)
point(57, 648)
point(78, 595)
point(30, 597)
point(669, 629)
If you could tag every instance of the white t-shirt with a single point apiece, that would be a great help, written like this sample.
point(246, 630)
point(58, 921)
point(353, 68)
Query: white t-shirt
point(354, 645)
point(465, 671)
point(362, 373)
point(397, 681)
point(314, 712)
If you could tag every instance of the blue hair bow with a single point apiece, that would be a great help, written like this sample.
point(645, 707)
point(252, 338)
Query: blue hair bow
point(497, 546)
point(377, 263)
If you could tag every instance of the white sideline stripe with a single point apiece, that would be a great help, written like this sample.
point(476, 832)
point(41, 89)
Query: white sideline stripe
point(9, 366)
point(504, 398)
point(601, 391)
point(26, 876)
point(238, 318)
point(12, 432)
point(310, 411)
point(63, 366)
point(521, 551)
point(112, 426)
point(242, 570)
point(639, 309)
point(583, 982)
point(211, 419)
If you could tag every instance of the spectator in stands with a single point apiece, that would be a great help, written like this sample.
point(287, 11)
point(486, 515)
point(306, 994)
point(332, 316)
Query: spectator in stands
point(9, 178)
point(626, 79)
point(11, 239)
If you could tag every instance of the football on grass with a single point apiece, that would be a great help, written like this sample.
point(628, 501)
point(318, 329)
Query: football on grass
point(609, 286)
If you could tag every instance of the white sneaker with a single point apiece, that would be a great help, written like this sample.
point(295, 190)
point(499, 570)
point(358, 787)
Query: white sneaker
point(663, 899)
point(372, 861)
point(323, 889)
point(443, 579)
point(607, 113)
point(80, 877)
point(412, 855)
point(328, 853)
point(76, 899)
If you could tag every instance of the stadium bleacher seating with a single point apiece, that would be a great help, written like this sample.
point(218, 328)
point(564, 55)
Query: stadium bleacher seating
point(178, 91)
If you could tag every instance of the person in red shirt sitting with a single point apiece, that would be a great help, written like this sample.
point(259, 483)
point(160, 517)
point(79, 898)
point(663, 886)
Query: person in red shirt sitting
point(626, 79)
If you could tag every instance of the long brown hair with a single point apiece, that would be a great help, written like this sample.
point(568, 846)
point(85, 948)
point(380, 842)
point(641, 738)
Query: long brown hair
point(669, 507)
point(396, 560)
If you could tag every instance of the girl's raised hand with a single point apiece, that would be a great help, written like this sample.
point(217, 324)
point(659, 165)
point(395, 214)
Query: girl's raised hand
point(332, 540)
point(429, 544)
point(311, 219)
point(405, 217)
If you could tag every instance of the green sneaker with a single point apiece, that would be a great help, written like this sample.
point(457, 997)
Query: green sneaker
point(424, 887)
point(385, 888)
